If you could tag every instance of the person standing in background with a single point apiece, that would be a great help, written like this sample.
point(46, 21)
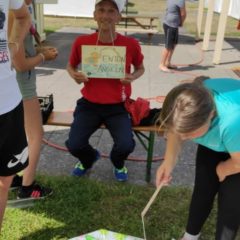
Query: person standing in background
point(13, 143)
point(174, 17)
point(26, 76)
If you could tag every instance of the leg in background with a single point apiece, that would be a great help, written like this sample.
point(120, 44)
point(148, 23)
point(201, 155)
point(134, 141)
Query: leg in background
point(5, 183)
point(168, 61)
point(172, 43)
point(164, 60)
point(34, 131)
point(171, 39)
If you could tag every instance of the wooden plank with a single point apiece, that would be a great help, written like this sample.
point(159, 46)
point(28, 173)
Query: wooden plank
point(60, 119)
point(134, 18)
point(148, 15)
point(236, 70)
point(66, 119)
point(138, 30)
point(47, 1)
point(132, 24)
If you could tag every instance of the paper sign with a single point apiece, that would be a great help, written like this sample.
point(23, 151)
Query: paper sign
point(103, 61)
point(104, 234)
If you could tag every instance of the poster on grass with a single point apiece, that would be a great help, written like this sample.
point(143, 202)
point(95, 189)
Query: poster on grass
point(104, 234)
point(103, 61)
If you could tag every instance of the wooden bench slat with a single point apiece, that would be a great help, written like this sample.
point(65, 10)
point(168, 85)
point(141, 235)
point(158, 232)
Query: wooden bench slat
point(138, 30)
point(66, 118)
point(132, 24)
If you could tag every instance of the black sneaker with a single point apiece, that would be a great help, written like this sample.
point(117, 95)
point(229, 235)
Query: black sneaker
point(35, 191)
point(17, 182)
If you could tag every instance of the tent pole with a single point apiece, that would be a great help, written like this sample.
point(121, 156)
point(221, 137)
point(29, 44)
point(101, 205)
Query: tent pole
point(221, 31)
point(126, 20)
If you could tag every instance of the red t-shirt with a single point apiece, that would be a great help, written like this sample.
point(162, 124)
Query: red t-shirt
point(107, 91)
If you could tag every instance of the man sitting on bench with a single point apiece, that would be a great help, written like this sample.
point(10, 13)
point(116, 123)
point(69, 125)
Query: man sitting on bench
point(103, 98)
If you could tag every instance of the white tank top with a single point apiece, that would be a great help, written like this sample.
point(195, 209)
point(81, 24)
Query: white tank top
point(10, 95)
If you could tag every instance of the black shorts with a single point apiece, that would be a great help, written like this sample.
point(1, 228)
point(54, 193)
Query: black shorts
point(13, 142)
point(171, 36)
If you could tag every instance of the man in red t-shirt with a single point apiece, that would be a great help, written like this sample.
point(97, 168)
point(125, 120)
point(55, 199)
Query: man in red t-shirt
point(103, 98)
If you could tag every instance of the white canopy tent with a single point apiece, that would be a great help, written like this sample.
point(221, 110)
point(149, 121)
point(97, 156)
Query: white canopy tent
point(225, 8)
point(233, 10)
point(72, 8)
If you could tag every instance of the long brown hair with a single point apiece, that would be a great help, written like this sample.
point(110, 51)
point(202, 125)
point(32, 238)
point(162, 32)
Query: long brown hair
point(186, 108)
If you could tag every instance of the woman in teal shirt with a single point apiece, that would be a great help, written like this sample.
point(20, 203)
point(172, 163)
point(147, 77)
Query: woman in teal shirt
point(208, 113)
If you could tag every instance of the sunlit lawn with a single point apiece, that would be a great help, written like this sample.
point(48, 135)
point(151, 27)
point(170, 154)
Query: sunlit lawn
point(82, 205)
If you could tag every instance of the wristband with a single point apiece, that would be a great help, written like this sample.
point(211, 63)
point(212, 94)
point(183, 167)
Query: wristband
point(42, 56)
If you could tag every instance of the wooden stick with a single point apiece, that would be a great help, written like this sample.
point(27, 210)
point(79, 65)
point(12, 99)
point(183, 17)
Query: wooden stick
point(150, 202)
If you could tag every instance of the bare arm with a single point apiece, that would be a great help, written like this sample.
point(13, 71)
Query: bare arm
point(19, 23)
point(183, 14)
point(22, 63)
point(78, 76)
point(138, 72)
point(173, 148)
point(229, 167)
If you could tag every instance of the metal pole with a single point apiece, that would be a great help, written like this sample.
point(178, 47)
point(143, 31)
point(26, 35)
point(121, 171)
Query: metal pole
point(221, 31)
point(126, 20)
point(199, 19)
point(208, 25)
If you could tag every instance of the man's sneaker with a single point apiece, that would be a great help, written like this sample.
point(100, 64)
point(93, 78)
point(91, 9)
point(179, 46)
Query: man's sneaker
point(79, 169)
point(121, 174)
point(16, 182)
point(34, 191)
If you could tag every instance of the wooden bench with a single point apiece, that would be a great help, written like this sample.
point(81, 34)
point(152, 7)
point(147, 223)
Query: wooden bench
point(141, 132)
point(137, 30)
point(149, 31)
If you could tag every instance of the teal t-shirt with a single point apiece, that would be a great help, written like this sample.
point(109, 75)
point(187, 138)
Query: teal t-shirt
point(224, 132)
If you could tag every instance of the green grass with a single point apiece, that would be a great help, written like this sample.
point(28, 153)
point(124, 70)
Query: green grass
point(54, 23)
point(82, 205)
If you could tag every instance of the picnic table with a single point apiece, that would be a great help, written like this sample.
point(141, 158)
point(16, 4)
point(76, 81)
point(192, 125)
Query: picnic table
point(136, 19)
point(139, 23)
